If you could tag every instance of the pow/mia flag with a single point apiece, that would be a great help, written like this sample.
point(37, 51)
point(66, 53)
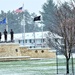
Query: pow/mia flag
point(37, 18)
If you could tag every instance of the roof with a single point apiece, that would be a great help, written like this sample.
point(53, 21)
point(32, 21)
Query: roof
point(37, 35)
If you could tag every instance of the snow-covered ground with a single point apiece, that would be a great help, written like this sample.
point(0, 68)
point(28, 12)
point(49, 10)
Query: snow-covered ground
point(30, 67)
point(62, 56)
point(33, 67)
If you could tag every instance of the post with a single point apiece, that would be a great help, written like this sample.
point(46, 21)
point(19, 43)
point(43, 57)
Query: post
point(67, 62)
point(57, 61)
point(72, 65)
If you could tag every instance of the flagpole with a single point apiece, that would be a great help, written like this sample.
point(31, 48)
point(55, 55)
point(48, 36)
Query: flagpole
point(35, 19)
point(34, 36)
point(24, 24)
point(23, 20)
point(24, 28)
point(6, 24)
point(42, 35)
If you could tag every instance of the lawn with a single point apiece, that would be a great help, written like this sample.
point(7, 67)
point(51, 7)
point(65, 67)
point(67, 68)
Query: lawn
point(34, 67)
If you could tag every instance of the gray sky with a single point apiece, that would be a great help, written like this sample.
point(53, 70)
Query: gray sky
point(30, 5)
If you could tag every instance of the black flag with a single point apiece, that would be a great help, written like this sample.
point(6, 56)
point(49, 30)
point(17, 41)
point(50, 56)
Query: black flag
point(37, 18)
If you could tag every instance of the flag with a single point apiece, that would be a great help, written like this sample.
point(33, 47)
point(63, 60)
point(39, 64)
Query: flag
point(37, 18)
point(3, 21)
point(19, 10)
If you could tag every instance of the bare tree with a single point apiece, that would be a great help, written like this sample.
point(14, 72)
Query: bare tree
point(66, 29)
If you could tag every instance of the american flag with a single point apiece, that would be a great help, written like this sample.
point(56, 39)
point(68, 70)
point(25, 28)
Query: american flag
point(19, 10)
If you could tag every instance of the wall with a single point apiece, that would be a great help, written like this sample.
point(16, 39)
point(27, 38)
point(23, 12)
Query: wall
point(12, 51)
point(37, 53)
point(9, 49)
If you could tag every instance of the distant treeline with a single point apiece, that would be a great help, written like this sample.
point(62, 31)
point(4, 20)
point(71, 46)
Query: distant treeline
point(14, 22)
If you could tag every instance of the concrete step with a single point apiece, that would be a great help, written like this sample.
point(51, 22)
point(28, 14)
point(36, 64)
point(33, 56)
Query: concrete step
point(13, 58)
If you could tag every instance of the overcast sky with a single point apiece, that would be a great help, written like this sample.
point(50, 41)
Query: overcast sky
point(30, 5)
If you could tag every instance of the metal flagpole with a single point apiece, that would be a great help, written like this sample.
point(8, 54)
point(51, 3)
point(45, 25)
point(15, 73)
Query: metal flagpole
point(23, 25)
point(42, 36)
point(34, 36)
point(24, 28)
point(35, 19)
point(6, 24)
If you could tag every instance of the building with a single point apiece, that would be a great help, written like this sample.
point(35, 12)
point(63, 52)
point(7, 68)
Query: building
point(31, 40)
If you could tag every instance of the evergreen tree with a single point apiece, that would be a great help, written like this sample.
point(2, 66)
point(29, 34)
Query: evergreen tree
point(29, 23)
point(14, 21)
point(2, 26)
point(48, 15)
